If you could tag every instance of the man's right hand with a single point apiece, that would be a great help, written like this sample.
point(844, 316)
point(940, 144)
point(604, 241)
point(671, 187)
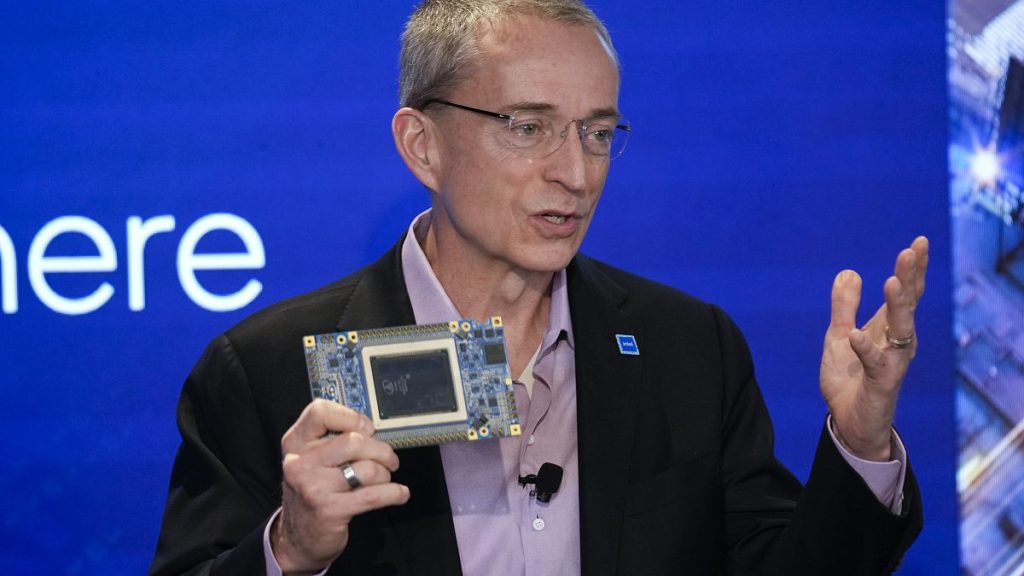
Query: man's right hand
point(317, 503)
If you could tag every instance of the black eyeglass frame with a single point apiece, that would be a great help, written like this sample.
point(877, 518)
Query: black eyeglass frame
point(508, 117)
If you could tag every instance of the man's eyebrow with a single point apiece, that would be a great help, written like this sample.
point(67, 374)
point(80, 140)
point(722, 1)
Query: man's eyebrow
point(532, 106)
point(605, 113)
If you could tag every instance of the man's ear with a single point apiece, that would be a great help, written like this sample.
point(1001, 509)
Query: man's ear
point(416, 140)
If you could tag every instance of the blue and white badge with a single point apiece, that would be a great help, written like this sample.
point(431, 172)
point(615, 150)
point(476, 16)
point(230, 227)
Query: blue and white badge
point(627, 344)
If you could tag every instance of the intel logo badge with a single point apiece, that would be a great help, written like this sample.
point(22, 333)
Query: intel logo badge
point(627, 344)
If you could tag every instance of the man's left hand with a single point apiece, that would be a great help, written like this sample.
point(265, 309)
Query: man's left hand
point(862, 369)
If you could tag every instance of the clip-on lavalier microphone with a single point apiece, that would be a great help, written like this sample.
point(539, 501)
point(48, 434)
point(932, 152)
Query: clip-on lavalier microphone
point(546, 481)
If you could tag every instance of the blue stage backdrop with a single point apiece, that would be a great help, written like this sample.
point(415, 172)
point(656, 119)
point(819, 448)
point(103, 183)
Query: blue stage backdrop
point(168, 168)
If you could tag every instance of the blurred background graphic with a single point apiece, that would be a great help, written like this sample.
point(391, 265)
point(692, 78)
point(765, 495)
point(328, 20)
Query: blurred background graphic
point(986, 159)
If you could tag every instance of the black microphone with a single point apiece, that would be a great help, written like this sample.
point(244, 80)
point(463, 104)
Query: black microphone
point(546, 481)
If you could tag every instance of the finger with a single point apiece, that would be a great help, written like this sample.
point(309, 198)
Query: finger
point(920, 246)
point(846, 291)
point(329, 416)
point(899, 309)
point(906, 271)
point(333, 511)
point(368, 498)
point(321, 417)
point(367, 472)
point(912, 266)
point(307, 476)
point(354, 446)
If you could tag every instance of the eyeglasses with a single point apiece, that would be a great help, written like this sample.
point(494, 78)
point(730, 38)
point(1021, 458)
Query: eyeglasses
point(538, 133)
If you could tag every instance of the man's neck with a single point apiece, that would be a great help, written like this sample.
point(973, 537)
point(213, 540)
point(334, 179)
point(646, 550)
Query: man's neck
point(480, 288)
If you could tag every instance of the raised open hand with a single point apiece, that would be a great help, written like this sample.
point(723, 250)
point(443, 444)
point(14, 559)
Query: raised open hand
point(862, 369)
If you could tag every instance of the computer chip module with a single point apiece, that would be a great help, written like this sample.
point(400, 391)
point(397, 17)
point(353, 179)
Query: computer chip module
point(420, 385)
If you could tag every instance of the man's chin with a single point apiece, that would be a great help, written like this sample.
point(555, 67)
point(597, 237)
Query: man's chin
point(551, 261)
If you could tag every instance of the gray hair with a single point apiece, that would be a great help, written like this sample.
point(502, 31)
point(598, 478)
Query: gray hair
point(440, 42)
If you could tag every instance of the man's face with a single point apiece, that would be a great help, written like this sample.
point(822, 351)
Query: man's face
point(494, 206)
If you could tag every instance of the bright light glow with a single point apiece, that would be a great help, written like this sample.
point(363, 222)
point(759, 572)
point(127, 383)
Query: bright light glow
point(985, 166)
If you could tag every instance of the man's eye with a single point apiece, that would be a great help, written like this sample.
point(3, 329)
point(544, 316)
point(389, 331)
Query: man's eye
point(601, 135)
point(528, 129)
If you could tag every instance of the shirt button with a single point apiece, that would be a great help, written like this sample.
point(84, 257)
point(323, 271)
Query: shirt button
point(538, 524)
point(530, 441)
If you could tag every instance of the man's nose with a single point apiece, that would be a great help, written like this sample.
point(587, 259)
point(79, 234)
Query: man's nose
point(581, 131)
point(569, 161)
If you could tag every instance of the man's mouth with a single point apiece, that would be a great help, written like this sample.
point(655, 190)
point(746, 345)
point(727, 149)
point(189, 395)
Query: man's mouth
point(555, 219)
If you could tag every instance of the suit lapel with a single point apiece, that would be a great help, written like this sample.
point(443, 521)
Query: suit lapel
point(423, 528)
point(606, 390)
point(379, 298)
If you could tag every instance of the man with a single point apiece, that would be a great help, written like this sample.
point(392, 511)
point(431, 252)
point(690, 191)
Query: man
point(510, 119)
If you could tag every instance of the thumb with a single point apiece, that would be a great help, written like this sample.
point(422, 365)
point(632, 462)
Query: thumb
point(870, 355)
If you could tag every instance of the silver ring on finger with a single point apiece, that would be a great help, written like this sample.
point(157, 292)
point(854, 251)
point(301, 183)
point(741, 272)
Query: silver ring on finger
point(350, 476)
point(898, 342)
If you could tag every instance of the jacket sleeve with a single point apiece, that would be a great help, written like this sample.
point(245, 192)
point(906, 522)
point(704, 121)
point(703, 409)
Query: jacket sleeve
point(832, 525)
point(226, 475)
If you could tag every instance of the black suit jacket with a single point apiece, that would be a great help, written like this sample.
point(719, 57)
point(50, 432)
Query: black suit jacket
point(676, 463)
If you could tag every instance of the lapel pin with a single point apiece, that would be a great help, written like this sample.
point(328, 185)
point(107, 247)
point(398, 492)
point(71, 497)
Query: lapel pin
point(627, 344)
